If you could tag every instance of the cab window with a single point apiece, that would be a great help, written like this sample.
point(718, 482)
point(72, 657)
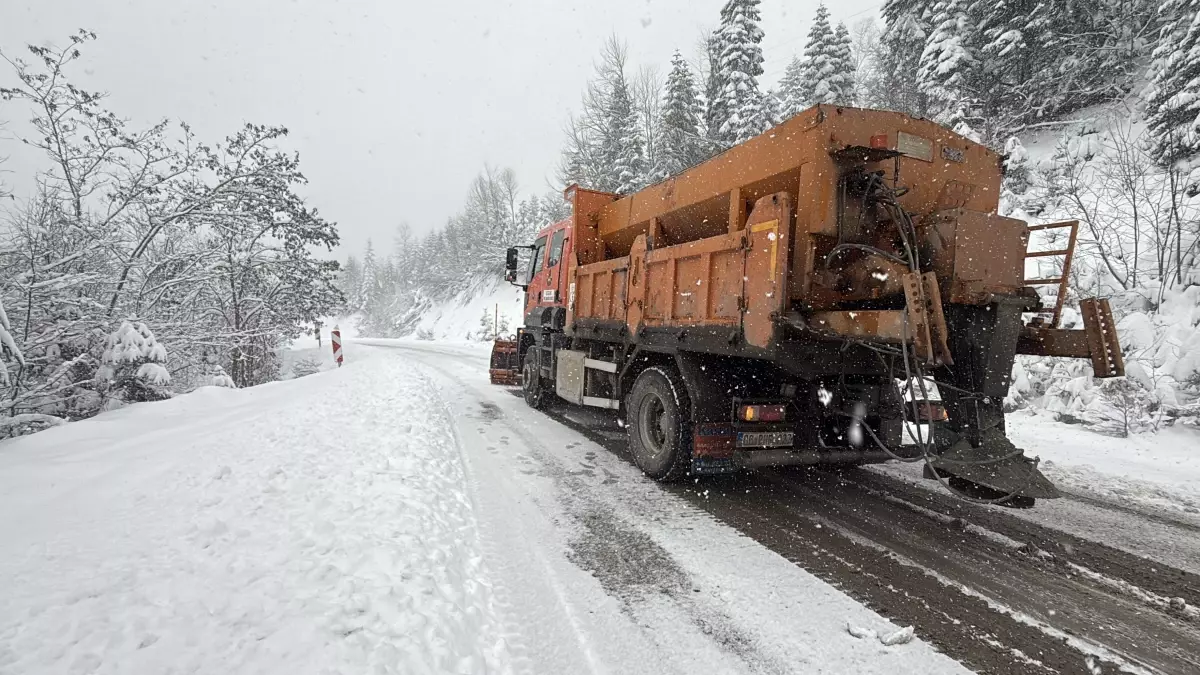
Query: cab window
point(538, 257)
point(556, 247)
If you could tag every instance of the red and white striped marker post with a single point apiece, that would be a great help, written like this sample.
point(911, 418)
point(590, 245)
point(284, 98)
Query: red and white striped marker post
point(335, 336)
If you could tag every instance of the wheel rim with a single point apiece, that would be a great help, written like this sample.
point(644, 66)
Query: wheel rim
point(653, 425)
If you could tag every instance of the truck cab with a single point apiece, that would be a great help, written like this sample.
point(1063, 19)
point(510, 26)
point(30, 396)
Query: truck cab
point(546, 276)
point(526, 360)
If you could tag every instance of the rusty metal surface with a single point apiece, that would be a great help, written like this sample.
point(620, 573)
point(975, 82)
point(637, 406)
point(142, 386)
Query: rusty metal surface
point(503, 367)
point(768, 229)
point(976, 255)
point(695, 283)
point(1101, 331)
point(600, 290)
point(917, 317)
point(938, 332)
point(1097, 341)
point(1068, 255)
point(882, 324)
point(1053, 342)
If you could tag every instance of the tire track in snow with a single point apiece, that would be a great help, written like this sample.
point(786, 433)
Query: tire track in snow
point(496, 544)
point(643, 584)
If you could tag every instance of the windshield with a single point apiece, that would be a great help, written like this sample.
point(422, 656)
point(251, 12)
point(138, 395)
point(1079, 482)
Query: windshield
point(537, 258)
point(556, 247)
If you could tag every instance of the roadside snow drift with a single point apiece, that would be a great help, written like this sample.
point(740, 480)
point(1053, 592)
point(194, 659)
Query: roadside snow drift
point(317, 525)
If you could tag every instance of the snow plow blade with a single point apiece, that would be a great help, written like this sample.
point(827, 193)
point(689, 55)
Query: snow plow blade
point(996, 465)
point(504, 368)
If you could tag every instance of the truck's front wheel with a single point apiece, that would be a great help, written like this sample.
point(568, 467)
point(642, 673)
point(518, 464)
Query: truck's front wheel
point(660, 437)
point(531, 384)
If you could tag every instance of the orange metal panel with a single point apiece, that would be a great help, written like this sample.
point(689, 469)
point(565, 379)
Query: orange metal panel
point(697, 282)
point(616, 294)
point(602, 294)
point(635, 303)
point(658, 290)
point(597, 287)
point(976, 254)
point(725, 285)
point(585, 204)
point(696, 204)
point(689, 277)
point(769, 228)
point(583, 293)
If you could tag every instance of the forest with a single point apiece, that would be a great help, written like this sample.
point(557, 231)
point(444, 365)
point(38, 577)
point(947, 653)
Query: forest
point(148, 261)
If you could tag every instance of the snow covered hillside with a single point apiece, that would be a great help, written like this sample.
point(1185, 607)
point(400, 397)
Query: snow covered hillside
point(493, 306)
point(396, 515)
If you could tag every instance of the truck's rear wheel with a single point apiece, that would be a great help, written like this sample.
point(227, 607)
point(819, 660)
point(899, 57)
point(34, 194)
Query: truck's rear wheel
point(660, 437)
point(531, 385)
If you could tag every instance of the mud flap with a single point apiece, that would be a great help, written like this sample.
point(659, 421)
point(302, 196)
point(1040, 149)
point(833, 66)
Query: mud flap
point(996, 464)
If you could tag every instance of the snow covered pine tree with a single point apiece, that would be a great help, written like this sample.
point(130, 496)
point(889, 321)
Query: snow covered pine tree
point(1173, 111)
point(828, 69)
point(792, 92)
point(133, 363)
point(904, 36)
point(740, 63)
point(623, 144)
point(681, 143)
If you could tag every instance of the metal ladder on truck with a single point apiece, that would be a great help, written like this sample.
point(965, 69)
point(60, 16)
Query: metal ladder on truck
point(1042, 335)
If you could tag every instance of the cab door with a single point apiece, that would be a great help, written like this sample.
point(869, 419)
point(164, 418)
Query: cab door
point(538, 274)
point(556, 267)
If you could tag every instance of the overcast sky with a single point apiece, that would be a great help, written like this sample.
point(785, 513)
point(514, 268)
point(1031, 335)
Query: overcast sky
point(395, 105)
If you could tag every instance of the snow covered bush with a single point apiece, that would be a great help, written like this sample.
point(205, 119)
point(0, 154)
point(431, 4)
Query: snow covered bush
point(133, 365)
point(306, 366)
point(219, 378)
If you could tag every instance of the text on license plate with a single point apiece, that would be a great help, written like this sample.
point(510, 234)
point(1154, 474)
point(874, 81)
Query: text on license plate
point(764, 439)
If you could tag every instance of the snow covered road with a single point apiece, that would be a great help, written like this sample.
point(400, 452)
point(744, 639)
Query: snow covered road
point(396, 515)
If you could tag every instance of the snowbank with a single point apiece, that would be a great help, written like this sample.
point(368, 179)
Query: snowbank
point(1160, 469)
point(317, 525)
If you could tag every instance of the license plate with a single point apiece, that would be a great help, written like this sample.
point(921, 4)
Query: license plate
point(764, 439)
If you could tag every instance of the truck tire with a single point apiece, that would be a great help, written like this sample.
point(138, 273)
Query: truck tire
point(531, 384)
point(660, 433)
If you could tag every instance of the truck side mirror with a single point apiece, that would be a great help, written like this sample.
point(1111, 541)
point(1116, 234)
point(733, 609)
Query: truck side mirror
point(510, 259)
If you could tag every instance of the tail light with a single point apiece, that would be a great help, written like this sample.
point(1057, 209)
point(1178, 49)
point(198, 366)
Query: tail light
point(762, 413)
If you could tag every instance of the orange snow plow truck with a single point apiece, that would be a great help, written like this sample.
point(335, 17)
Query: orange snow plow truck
point(837, 290)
